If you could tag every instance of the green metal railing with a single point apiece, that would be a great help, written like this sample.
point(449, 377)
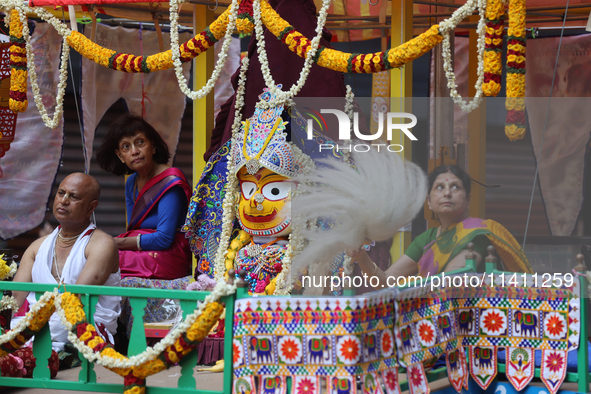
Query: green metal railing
point(138, 299)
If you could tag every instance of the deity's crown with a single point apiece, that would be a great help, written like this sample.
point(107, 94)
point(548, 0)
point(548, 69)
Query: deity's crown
point(264, 142)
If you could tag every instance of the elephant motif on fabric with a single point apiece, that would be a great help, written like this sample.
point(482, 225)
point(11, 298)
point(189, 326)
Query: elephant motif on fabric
point(525, 324)
point(407, 338)
point(445, 327)
point(465, 321)
point(453, 359)
point(271, 385)
point(261, 349)
point(341, 386)
point(370, 344)
point(483, 357)
point(319, 349)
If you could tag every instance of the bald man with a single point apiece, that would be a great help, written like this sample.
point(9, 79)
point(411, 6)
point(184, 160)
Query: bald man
point(76, 252)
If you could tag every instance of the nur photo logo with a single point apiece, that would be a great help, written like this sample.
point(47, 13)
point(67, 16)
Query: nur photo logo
point(393, 121)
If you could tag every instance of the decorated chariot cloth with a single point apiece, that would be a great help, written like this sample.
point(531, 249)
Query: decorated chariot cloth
point(107, 308)
point(156, 212)
point(332, 343)
point(438, 251)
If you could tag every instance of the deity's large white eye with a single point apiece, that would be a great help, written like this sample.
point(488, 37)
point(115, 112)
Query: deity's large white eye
point(275, 191)
point(248, 189)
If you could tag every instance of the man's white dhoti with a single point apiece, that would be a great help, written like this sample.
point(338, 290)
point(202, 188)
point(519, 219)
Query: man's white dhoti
point(108, 308)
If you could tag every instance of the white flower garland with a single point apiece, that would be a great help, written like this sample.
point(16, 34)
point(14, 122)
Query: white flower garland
point(64, 31)
point(176, 53)
point(26, 320)
point(8, 302)
point(444, 28)
point(281, 96)
point(10, 273)
point(231, 181)
point(220, 290)
point(61, 86)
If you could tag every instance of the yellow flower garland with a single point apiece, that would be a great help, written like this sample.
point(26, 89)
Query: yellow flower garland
point(493, 66)
point(297, 43)
point(135, 377)
point(160, 61)
point(237, 243)
point(515, 102)
point(34, 320)
point(18, 65)
point(347, 62)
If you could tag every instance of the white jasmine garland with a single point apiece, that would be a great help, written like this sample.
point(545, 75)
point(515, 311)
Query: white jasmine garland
point(26, 320)
point(231, 181)
point(349, 101)
point(61, 87)
point(445, 29)
point(8, 302)
point(176, 53)
point(220, 290)
point(10, 273)
point(281, 96)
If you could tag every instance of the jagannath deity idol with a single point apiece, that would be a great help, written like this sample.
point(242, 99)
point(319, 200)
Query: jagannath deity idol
point(252, 229)
point(264, 162)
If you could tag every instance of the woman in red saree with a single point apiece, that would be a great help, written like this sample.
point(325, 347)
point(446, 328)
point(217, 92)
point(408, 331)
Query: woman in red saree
point(157, 198)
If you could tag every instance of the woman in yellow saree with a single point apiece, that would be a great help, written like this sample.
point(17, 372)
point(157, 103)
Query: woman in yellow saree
point(443, 249)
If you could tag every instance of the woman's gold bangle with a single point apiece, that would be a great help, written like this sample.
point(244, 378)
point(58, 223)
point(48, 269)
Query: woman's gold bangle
point(375, 268)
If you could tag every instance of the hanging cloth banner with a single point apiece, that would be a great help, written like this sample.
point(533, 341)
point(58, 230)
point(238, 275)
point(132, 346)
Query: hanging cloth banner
point(417, 379)
point(102, 87)
point(371, 384)
point(465, 364)
point(562, 159)
point(341, 384)
point(306, 385)
point(271, 384)
point(520, 366)
point(553, 369)
point(30, 166)
point(483, 365)
point(244, 385)
point(390, 379)
point(456, 368)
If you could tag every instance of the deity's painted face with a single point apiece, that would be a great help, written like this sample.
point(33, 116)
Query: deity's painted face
point(265, 203)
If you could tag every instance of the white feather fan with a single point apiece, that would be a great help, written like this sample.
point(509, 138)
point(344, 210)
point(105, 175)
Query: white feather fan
point(371, 202)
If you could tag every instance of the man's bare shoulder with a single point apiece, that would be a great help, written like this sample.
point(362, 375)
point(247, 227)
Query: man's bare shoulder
point(101, 239)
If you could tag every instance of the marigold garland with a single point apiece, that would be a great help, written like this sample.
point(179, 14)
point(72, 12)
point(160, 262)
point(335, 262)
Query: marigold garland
point(348, 62)
point(495, 15)
point(33, 321)
point(515, 102)
point(6, 271)
point(160, 61)
point(18, 65)
point(135, 377)
point(297, 43)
